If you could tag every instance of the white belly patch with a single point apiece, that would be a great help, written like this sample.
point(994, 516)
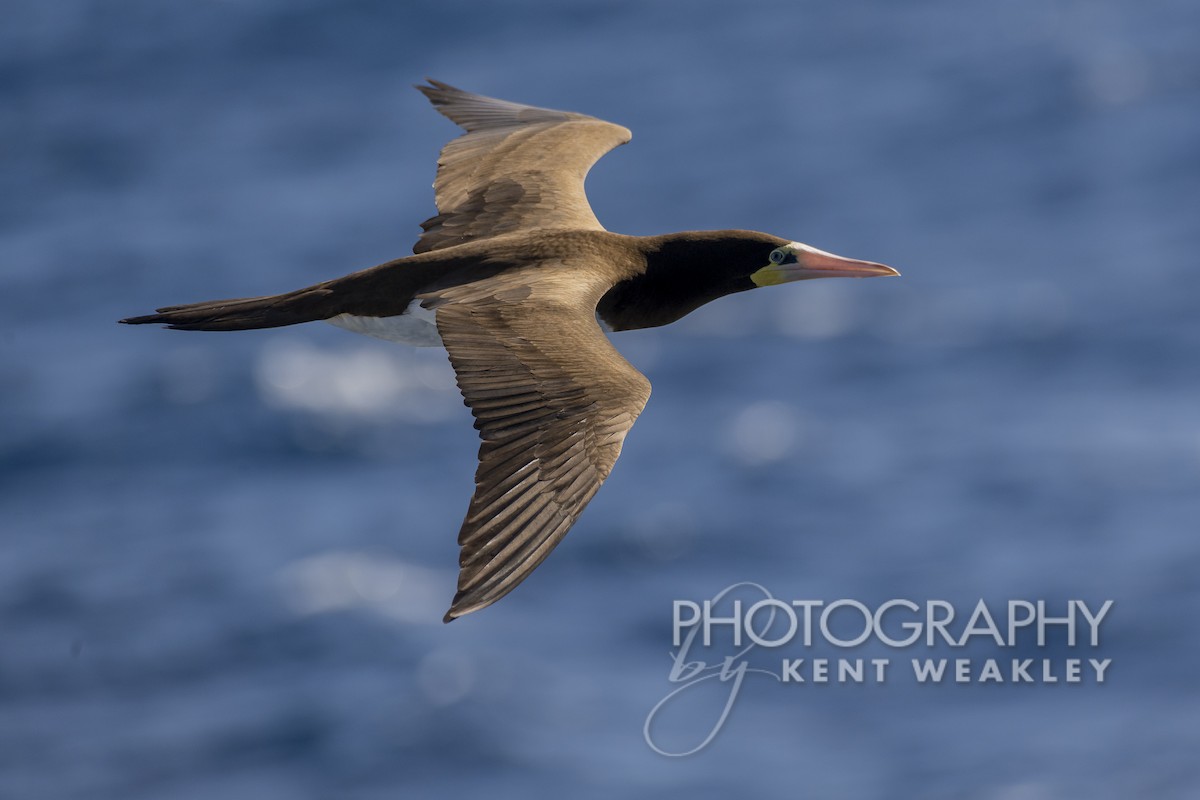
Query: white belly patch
point(415, 326)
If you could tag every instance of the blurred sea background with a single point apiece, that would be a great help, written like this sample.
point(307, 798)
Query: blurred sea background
point(224, 558)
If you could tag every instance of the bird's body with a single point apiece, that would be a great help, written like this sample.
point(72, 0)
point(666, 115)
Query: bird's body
point(514, 277)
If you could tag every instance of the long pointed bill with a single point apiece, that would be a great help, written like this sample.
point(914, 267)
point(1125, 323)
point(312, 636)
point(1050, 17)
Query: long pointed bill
point(806, 262)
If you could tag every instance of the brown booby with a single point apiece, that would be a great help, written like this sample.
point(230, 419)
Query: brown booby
point(514, 277)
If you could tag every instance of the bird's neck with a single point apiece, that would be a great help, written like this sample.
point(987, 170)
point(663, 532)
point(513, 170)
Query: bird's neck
point(683, 271)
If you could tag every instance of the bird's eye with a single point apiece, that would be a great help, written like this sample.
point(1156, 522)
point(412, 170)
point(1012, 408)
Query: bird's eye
point(777, 256)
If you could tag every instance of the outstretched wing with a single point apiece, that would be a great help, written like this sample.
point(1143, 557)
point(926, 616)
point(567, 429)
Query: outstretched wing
point(516, 168)
point(552, 400)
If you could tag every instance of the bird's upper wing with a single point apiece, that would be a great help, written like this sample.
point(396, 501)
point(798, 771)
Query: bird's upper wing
point(516, 168)
point(552, 400)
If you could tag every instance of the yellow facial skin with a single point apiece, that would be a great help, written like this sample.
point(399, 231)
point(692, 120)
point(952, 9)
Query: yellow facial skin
point(770, 275)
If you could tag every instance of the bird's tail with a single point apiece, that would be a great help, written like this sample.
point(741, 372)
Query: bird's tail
point(291, 308)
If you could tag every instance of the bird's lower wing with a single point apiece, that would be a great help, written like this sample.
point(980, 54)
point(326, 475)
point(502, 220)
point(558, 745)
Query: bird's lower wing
point(552, 400)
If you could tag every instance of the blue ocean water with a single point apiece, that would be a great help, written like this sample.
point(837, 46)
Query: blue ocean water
point(225, 557)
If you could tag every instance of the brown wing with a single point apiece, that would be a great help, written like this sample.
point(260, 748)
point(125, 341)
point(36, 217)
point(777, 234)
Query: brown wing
point(517, 168)
point(552, 401)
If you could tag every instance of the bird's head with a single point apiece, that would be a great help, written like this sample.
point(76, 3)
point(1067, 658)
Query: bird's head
point(795, 261)
point(686, 270)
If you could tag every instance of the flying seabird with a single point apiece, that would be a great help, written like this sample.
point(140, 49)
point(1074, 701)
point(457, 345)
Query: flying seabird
point(514, 277)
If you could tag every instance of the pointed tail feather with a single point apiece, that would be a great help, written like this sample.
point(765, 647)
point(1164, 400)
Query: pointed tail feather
point(304, 305)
